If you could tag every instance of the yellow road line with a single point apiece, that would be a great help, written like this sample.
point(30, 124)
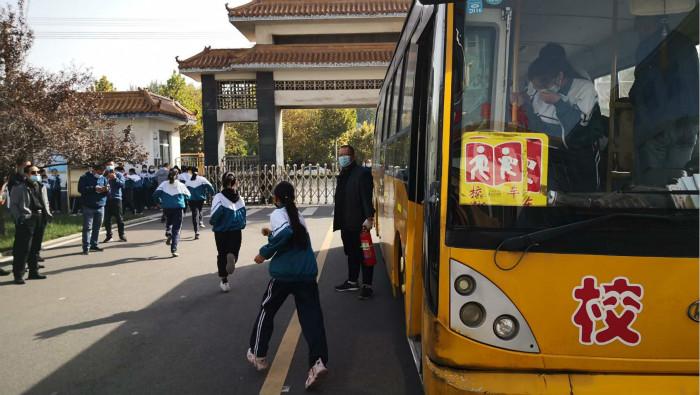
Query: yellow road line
point(283, 358)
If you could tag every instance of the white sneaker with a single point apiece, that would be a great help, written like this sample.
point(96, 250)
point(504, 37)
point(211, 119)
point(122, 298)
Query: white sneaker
point(201, 225)
point(175, 254)
point(230, 263)
point(225, 287)
point(316, 374)
point(259, 364)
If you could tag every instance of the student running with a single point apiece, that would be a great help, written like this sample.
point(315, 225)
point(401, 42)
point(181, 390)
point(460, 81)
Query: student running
point(293, 270)
point(172, 195)
point(227, 219)
point(200, 188)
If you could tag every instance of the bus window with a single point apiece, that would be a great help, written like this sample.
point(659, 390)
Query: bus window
point(544, 73)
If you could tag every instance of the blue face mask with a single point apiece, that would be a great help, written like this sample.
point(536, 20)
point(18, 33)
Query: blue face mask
point(35, 178)
point(344, 161)
point(109, 168)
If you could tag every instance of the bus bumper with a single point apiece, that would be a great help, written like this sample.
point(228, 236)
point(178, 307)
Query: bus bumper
point(439, 380)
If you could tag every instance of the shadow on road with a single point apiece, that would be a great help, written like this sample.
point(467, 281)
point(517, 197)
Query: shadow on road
point(193, 341)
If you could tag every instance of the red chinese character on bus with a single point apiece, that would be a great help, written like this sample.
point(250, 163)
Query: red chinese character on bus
point(480, 163)
point(615, 306)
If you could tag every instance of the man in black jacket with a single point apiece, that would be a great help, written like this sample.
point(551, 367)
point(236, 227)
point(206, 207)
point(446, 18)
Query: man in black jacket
point(354, 212)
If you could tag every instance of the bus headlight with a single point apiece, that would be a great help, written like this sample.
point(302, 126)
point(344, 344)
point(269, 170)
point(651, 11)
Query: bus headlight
point(481, 311)
point(465, 285)
point(472, 314)
point(506, 327)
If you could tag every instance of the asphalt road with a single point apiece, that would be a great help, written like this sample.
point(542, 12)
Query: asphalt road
point(132, 320)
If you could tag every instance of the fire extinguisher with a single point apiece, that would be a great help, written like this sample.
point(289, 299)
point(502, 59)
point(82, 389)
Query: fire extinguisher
point(369, 257)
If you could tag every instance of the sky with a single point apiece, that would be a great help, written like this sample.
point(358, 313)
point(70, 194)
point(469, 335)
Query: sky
point(132, 42)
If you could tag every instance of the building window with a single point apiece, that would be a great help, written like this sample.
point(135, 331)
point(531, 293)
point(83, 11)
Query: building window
point(234, 95)
point(164, 145)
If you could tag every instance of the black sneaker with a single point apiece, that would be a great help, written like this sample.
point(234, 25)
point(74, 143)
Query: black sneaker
point(36, 276)
point(96, 249)
point(86, 252)
point(365, 293)
point(168, 240)
point(39, 258)
point(122, 239)
point(107, 239)
point(196, 236)
point(19, 281)
point(347, 286)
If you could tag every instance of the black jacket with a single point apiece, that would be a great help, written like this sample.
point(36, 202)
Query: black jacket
point(353, 198)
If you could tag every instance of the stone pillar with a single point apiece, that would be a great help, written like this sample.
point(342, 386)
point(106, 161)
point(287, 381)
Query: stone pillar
point(267, 118)
point(280, 137)
point(214, 136)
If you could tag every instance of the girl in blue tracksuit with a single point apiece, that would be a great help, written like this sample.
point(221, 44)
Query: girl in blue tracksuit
point(200, 188)
point(172, 195)
point(228, 219)
point(293, 270)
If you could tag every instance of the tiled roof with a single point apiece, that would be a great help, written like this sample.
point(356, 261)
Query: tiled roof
point(142, 102)
point(272, 9)
point(318, 55)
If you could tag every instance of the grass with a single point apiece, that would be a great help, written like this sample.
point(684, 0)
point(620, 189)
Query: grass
point(62, 225)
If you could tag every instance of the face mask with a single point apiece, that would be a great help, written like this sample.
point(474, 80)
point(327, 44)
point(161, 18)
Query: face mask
point(344, 161)
point(109, 168)
point(35, 178)
point(97, 175)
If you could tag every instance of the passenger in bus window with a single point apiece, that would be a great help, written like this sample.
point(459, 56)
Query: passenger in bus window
point(563, 104)
point(666, 100)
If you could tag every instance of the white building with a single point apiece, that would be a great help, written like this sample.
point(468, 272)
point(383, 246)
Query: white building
point(154, 121)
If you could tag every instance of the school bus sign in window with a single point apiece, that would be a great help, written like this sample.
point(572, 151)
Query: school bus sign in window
point(504, 169)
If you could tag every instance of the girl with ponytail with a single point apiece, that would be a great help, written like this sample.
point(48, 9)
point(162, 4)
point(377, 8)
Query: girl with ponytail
point(293, 270)
point(172, 195)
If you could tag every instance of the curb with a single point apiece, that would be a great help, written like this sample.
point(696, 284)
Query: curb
point(6, 257)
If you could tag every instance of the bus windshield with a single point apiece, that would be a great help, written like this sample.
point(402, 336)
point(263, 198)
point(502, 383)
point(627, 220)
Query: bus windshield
point(564, 110)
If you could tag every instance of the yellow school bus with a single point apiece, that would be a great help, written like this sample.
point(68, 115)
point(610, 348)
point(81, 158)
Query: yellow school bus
point(536, 185)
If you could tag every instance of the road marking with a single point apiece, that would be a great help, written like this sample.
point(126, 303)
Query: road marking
point(274, 382)
point(309, 211)
point(252, 211)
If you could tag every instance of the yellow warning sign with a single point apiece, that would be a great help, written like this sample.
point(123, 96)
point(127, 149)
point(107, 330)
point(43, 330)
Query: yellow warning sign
point(504, 169)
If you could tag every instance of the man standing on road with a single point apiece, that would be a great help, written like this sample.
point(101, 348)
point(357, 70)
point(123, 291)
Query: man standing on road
point(114, 206)
point(354, 213)
point(29, 205)
point(93, 188)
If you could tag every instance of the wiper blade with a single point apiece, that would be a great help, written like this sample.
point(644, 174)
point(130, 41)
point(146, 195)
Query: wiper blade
point(527, 241)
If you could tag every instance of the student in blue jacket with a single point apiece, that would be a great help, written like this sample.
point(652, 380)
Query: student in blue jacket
point(200, 188)
point(293, 270)
point(172, 195)
point(228, 218)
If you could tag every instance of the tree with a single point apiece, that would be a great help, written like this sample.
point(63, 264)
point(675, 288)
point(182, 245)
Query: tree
point(103, 85)
point(45, 115)
point(310, 135)
point(362, 139)
point(242, 139)
point(191, 136)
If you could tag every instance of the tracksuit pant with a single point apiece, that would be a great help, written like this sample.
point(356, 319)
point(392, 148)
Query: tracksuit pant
point(196, 206)
point(226, 242)
point(308, 310)
point(26, 246)
point(173, 225)
point(353, 250)
point(114, 209)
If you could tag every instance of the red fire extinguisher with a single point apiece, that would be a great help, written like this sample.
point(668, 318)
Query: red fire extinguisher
point(370, 258)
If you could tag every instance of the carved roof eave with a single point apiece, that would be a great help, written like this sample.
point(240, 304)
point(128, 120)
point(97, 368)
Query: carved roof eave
point(312, 17)
point(286, 66)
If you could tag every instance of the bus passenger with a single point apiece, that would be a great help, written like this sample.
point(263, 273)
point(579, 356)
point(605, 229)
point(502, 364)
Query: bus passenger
point(666, 100)
point(564, 105)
